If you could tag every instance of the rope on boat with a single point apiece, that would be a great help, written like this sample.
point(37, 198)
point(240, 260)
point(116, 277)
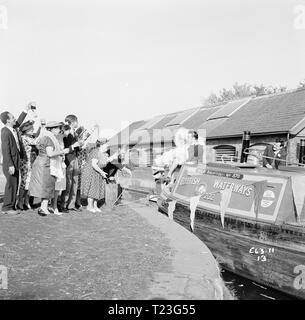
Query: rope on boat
point(273, 158)
point(261, 157)
point(129, 202)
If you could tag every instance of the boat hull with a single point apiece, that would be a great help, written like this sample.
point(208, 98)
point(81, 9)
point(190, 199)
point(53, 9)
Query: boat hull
point(239, 250)
point(269, 253)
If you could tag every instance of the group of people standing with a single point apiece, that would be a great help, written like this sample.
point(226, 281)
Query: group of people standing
point(55, 164)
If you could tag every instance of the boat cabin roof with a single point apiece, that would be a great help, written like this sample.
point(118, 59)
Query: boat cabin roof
point(283, 171)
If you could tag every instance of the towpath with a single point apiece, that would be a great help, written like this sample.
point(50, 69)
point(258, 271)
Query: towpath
point(130, 252)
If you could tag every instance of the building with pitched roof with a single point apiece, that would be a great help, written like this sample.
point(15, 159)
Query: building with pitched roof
point(266, 117)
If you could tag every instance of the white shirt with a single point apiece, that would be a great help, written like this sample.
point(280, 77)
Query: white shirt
point(181, 154)
point(14, 132)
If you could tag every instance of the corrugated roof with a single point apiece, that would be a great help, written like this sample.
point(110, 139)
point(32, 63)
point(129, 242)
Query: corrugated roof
point(263, 115)
point(228, 109)
point(182, 117)
point(166, 119)
point(199, 118)
point(267, 114)
point(151, 122)
point(124, 136)
point(156, 132)
point(154, 135)
point(161, 131)
point(210, 125)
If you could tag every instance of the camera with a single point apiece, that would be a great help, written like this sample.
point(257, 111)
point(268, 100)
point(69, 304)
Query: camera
point(33, 106)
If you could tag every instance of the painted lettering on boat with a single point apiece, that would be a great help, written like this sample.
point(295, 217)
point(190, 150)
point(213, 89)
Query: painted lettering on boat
point(261, 253)
point(208, 196)
point(261, 250)
point(190, 180)
point(299, 280)
point(232, 175)
point(242, 199)
point(236, 187)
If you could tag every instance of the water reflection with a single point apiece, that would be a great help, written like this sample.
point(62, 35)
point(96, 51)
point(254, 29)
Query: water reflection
point(245, 289)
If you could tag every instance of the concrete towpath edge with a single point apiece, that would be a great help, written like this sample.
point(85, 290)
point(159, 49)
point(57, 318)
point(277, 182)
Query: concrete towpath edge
point(195, 273)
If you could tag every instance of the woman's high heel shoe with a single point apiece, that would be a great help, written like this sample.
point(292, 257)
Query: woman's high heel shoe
point(51, 209)
point(27, 207)
point(41, 212)
point(19, 207)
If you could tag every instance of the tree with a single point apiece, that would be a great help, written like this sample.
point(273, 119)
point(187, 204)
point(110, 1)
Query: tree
point(242, 90)
point(226, 95)
point(211, 99)
point(239, 91)
point(301, 84)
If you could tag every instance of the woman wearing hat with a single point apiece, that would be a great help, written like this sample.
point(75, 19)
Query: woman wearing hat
point(47, 168)
point(29, 141)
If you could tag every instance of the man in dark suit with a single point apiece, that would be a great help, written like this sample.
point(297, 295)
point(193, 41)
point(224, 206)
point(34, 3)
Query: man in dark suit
point(281, 155)
point(69, 196)
point(269, 155)
point(12, 151)
point(273, 153)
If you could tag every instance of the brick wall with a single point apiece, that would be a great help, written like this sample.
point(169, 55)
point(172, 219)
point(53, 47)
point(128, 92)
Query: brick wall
point(293, 146)
point(237, 143)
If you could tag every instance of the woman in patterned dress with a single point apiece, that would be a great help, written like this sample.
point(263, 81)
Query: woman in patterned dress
point(47, 167)
point(29, 140)
point(93, 176)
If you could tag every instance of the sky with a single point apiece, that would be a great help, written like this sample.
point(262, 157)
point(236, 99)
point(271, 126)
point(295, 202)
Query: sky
point(115, 62)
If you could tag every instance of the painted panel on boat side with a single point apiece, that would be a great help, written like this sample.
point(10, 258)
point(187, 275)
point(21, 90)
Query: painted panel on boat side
point(210, 183)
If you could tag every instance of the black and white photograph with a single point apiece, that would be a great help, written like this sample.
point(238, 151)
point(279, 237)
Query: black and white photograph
point(152, 150)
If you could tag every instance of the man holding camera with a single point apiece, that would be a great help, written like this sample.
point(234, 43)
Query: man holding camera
point(12, 152)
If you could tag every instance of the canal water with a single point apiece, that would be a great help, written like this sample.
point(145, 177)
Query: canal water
point(245, 289)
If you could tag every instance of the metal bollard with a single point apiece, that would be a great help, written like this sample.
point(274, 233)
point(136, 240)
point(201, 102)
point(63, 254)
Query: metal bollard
point(302, 151)
point(245, 145)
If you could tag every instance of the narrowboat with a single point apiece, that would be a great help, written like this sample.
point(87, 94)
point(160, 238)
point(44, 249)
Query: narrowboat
point(263, 241)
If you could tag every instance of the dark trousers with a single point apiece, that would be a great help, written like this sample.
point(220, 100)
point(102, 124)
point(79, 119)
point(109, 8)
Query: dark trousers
point(10, 193)
point(68, 197)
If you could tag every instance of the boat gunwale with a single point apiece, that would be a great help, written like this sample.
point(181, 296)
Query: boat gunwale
point(248, 170)
point(280, 228)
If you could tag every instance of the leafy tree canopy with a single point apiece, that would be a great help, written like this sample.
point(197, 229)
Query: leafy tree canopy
point(239, 91)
